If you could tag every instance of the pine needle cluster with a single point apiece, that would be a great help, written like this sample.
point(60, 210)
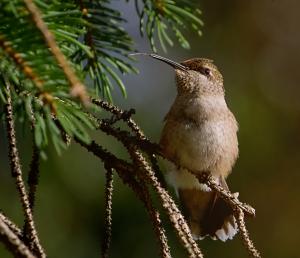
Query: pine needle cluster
point(48, 50)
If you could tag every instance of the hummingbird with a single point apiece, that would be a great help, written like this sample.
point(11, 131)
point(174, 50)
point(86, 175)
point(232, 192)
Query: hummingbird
point(200, 135)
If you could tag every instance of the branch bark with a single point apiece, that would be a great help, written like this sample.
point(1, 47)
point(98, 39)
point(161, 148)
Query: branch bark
point(108, 212)
point(205, 178)
point(13, 242)
point(249, 245)
point(16, 173)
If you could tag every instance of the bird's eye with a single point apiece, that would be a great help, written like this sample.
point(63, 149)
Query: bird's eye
point(206, 71)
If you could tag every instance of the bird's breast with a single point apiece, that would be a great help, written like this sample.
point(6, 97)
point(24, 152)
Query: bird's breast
point(200, 142)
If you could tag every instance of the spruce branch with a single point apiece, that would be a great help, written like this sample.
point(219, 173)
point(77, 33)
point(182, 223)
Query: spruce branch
point(56, 30)
point(120, 114)
point(33, 175)
point(77, 88)
point(168, 204)
point(27, 61)
point(139, 138)
point(126, 172)
point(12, 226)
point(231, 199)
point(108, 212)
point(16, 173)
point(249, 245)
point(141, 190)
point(13, 242)
point(32, 181)
point(162, 18)
point(156, 222)
point(175, 216)
point(154, 163)
point(121, 136)
point(19, 61)
point(109, 44)
point(145, 169)
point(238, 208)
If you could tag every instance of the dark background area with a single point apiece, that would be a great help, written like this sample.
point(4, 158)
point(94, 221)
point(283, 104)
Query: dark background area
point(255, 44)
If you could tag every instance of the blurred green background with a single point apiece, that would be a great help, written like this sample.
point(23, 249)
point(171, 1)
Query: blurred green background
point(255, 44)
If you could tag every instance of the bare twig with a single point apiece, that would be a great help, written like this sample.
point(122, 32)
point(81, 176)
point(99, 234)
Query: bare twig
point(12, 226)
point(175, 216)
point(122, 115)
point(127, 139)
point(12, 242)
point(32, 180)
point(125, 170)
point(239, 215)
point(238, 207)
point(159, 231)
point(33, 175)
point(158, 172)
point(121, 135)
point(142, 192)
point(206, 178)
point(108, 212)
point(139, 139)
point(156, 222)
point(17, 174)
point(77, 88)
point(106, 156)
point(169, 205)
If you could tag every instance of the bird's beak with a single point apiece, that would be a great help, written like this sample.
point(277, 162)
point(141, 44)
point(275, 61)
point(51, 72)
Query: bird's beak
point(174, 64)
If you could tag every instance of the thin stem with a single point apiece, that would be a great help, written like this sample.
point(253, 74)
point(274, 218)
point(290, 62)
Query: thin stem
point(156, 222)
point(175, 216)
point(169, 205)
point(32, 181)
point(126, 171)
point(206, 178)
point(121, 114)
point(13, 243)
point(108, 212)
point(16, 172)
point(239, 215)
point(158, 172)
point(12, 226)
point(238, 207)
point(33, 175)
point(141, 190)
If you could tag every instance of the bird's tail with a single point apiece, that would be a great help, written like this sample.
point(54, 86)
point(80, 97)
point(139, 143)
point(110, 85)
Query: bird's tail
point(207, 214)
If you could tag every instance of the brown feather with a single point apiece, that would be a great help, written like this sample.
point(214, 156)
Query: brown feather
point(206, 212)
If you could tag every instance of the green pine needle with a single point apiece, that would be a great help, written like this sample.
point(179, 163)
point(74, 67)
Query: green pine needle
point(93, 39)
